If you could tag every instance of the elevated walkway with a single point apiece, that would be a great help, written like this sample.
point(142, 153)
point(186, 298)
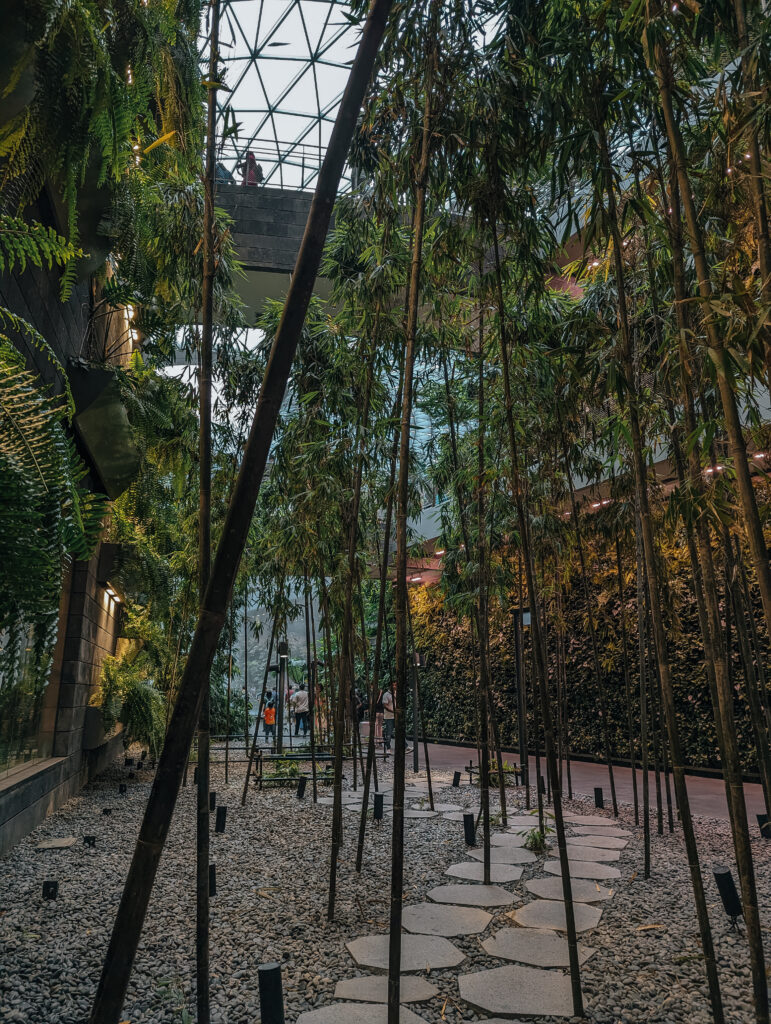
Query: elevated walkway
point(267, 231)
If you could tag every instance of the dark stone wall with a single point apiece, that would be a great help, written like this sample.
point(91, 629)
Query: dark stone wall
point(269, 224)
point(88, 620)
point(34, 294)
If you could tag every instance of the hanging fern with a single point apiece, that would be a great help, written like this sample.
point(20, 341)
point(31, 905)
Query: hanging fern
point(46, 515)
point(22, 243)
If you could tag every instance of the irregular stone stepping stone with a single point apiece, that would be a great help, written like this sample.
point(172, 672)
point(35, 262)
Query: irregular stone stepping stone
point(473, 895)
point(584, 889)
point(583, 869)
point(437, 807)
point(518, 992)
point(520, 822)
point(507, 839)
point(551, 914)
point(599, 830)
point(593, 853)
point(373, 988)
point(504, 855)
point(419, 814)
point(535, 946)
point(56, 844)
point(419, 953)
point(356, 1013)
point(599, 842)
point(588, 819)
point(475, 872)
point(441, 919)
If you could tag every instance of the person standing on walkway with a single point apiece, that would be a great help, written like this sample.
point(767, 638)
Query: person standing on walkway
point(387, 699)
point(299, 701)
point(269, 720)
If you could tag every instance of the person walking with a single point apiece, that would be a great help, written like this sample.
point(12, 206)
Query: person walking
point(379, 717)
point(387, 700)
point(299, 702)
point(269, 721)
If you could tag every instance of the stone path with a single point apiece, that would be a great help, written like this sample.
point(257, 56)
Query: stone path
point(473, 895)
point(538, 947)
point(536, 981)
point(474, 871)
point(373, 988)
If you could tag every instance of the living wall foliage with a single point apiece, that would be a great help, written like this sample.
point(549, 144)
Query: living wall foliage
point(449, 682)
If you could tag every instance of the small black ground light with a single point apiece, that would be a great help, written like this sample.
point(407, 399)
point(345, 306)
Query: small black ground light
point(50, 890)
point(212, 879)
point(301, 788)
point(90, 841)
point(212, 799)
point(219, 821)
point(469, 829)
point(599, 800)
point(456, 779)
point(377, 812)
point(271, 993)
point(726, 886)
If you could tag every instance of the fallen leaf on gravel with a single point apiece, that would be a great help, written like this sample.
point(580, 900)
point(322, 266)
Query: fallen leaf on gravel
point(647, 927)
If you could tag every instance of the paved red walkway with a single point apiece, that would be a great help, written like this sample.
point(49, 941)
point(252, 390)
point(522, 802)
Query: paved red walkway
point(707, 795)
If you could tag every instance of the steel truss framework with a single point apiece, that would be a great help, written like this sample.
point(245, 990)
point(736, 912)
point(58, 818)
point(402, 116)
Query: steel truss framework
point(286, 65)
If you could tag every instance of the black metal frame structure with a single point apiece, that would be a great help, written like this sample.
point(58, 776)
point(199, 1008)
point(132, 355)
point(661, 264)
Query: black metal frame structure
point(286, 64)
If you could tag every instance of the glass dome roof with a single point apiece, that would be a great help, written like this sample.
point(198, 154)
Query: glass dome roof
point(287, 64)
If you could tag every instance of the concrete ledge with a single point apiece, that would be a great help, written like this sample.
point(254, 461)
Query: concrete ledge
point(27, 797)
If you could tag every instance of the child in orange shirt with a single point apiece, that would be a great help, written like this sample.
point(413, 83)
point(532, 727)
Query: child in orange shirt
point(269, 720)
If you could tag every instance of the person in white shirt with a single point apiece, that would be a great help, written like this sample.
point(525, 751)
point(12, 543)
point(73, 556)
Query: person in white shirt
point(299, 703)
point(387, 699)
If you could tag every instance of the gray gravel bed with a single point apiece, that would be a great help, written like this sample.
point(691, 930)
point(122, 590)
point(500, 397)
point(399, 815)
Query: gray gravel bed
point(272, 880)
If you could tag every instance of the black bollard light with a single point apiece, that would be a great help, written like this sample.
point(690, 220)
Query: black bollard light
point(90, 841)
point(541, 784)
point(50, 890)
point(128, 762)
point(195, 776)
point(144, 755)
point(212, 799)
point(132, 775)
point(456, 780)
point(212, 879)
point(140, 765)
point(377, 813)
point(271, 994)
point(598, 798)
point(728, 894)
point(764, 826)
point(122, 788)
point(107, 810)
point(222, 813)
point(301, 788)
point(469, 829)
